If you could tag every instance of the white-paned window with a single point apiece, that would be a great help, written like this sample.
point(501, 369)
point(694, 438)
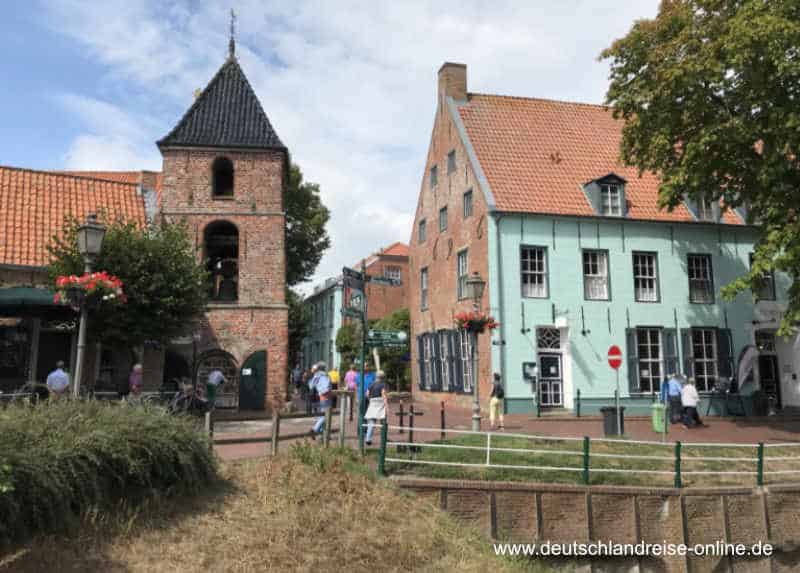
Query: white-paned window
point(533, 268)
point(462, 273)
point(423, 288)
point(595, 275)
point(701, 283)
point(645, 277)
point(651, 359)
point(704, 354)
point(611, 200)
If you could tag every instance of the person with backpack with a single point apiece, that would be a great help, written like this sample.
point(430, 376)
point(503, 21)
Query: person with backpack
point(378, 404)
point(496, 405)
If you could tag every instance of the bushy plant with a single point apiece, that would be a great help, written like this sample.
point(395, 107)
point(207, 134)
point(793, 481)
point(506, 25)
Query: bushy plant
point(60, 460)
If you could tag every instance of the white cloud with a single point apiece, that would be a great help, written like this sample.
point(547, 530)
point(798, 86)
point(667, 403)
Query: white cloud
point(350, 86)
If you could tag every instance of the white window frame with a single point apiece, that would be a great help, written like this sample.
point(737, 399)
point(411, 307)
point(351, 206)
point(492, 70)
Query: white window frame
point(392, 272)
point(611, 199)
point(423, 288)
point(444, 359)
point(427, 360)
point(466, 363)
point(442, 219)
point(534, 278)
point(462, 273)
point(649, 383)
point(645, 261)
point(710, 373)
point(422, 233)
point(699, 270)
point(467, 204)
point(595, 275)
point(705, 210)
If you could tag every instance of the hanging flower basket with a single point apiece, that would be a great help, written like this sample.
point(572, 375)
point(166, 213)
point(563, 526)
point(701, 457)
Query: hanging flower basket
point(475, 321)
point(90, 290)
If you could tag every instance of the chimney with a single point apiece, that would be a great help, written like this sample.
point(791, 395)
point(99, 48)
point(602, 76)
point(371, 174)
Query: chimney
point(453, 81)
point(147, 179)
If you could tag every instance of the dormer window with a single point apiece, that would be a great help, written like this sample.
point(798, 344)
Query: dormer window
point(705, 211)
point(222, 177)
point(607, 195)
point(611, 200)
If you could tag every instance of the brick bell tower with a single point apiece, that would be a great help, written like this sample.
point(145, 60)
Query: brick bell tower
point(224, 170)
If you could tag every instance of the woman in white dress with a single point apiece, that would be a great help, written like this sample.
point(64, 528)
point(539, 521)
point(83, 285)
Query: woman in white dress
point(378, 404)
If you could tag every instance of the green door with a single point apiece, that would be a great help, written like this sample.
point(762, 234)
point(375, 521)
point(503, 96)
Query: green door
point(253, 382)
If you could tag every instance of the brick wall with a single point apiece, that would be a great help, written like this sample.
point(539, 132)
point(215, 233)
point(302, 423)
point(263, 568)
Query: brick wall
point(438, 253)
point(383, 299)
point(533, 513)
point(258, 320)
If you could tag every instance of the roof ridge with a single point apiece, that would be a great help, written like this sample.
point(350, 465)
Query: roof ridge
point(56, 173)
point(544, 99)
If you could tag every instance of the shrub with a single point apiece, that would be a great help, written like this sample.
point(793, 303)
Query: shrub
point(60, 460)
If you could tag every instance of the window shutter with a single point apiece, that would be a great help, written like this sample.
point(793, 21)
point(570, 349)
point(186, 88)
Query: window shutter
point(724, 353)
point(671, 365)
point(421, 360)
point(592, 191)
point(688, 351)
point(633, 360)
point(458, 384)
point(436, 360)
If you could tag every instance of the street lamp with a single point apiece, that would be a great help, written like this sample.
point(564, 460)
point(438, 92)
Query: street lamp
point(90, 242)
point(475, 286)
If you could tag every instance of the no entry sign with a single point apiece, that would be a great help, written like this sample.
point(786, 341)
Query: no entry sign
point(614, 356)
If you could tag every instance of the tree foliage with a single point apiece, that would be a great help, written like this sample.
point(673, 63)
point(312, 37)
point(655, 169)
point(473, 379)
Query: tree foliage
point(710, 94)
point(165, 284)
point(394, 361)
point(348, 342)
point(306, 236)
point(298, 325)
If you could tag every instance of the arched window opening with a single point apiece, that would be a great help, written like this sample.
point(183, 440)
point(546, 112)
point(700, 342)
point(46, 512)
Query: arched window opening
point(221, 240)
point(223, 177)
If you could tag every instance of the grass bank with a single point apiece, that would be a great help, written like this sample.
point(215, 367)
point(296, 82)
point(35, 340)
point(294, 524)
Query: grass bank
point(568, 455)
point(307, 510)
point(61, 461)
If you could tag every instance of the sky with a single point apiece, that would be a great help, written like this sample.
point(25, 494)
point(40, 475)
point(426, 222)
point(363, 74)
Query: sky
point(350, 87)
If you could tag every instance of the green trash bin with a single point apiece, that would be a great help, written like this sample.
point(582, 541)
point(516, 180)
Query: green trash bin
point(658, 412)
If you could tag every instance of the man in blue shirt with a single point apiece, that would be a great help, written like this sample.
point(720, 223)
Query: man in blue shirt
point(321, 382)
point(674, 387)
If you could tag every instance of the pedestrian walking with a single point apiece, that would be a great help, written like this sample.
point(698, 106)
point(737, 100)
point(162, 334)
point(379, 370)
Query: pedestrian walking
point(378, 404)
point(135, 383)
point(58, 381)
point(673, 398)
point(333, 374)
point(312, 399)
point(297, 378)
point(215, 380)
point(496, 402)
point(351, 384)
point(321, 383)
point(690, 399)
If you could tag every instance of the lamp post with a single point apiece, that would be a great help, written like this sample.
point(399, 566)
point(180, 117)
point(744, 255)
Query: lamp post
point(475, 286)
point(90, 242)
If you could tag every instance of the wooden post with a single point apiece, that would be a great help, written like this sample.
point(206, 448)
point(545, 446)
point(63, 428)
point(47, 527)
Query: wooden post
point(442, 421)
point(578, 405)
point(326, 432)
point(209, 427)
point(411, 425)
point(344, 401)
point(678, 483)
point(586, 459)
point(276, 431)
point(760, 465)
point(382, 450)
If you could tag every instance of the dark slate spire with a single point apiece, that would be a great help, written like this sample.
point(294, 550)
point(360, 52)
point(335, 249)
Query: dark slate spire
point(232, 41)
point(226, 114)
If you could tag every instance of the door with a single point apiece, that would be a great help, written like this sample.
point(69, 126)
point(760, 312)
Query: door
point(550, 381)
point(53, 346)
point(253, 382)
point(769, 376)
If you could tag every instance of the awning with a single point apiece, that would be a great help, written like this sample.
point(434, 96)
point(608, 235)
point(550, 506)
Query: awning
point(25, 297)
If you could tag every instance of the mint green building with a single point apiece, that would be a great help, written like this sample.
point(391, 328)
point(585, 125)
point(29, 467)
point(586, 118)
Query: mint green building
point(324, 317)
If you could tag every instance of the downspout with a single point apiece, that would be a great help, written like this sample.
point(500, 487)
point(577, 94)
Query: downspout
point(497, 218)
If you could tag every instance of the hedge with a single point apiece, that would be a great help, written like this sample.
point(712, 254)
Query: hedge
point(59, 460)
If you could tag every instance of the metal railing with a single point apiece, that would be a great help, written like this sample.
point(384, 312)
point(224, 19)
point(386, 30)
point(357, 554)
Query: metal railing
point(676, 456)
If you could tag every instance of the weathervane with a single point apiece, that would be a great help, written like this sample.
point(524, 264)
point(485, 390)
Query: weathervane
point(232, 41)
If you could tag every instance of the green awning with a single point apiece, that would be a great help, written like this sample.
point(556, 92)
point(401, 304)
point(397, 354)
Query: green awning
point(25, 296)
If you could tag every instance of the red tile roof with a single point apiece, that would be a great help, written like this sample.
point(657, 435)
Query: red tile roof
point(33, 205)
point(397, 249)
point(536, 155)
point(118, 176)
